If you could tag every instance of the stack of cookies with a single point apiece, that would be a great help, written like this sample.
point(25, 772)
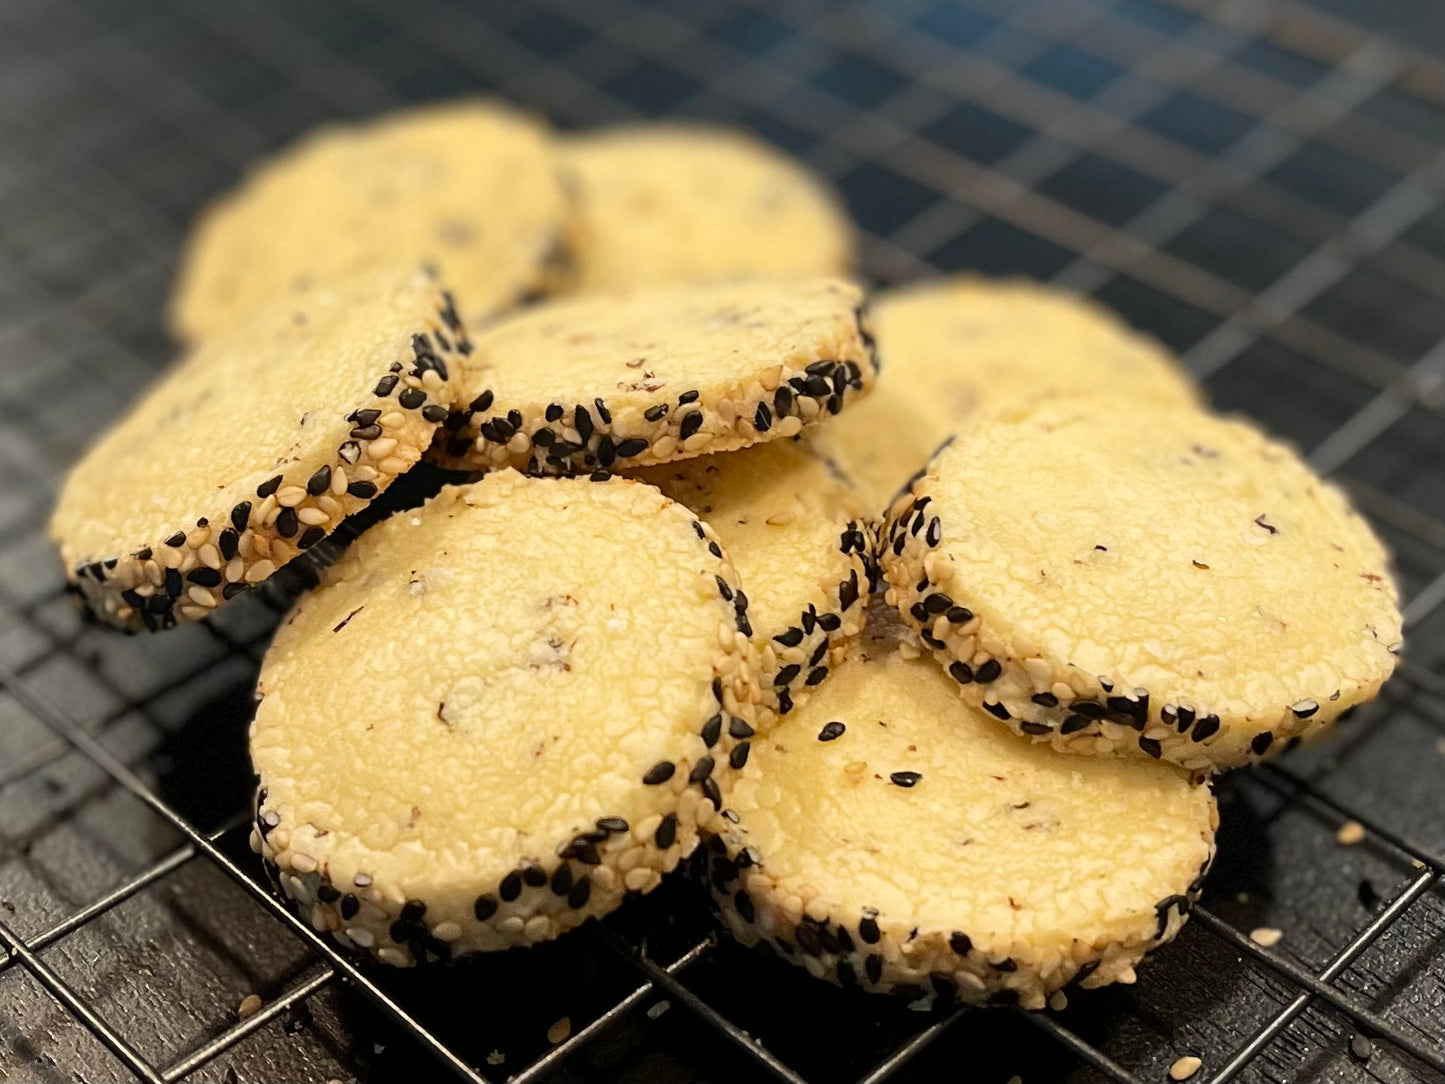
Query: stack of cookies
point(934, 721)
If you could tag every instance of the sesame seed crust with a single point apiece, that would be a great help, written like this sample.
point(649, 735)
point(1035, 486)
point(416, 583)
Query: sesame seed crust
point(792, 525)
point(957, 347)
point(495, 717)
point(256, 445)
point(888, 836)
point(1180, 587)
point(612, 382)
point(469, 187)
point(688, 203)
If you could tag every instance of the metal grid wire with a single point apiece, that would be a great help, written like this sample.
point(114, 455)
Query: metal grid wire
point(1259, 184)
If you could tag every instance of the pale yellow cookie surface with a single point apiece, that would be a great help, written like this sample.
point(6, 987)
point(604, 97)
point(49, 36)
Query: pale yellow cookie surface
point(467, 187)
point(668, 203)
point(955, 347)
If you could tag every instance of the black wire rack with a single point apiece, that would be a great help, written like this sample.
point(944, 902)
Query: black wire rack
point(1258, 184)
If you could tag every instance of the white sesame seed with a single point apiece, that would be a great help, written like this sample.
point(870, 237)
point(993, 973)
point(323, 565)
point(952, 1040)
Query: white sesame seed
point(654, 1011)
point(249, 1007)
point(392, 420)
point(197, 537)
point(1266, 936)
point(559, 1031)
point(200, 596)
point(393, 465)
point(1350, 833)
point(339, 481)
point(290, 496)
point(381, 447)
point(259, 571)
point(1185, 1067)
point(210, 556)
point(496, 1057)
point(312, 517)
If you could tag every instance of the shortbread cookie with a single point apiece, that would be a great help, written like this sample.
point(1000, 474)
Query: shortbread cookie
point(500, 714)
point(889, 836)
point(673, 203)
point(794, 529)
point(257, 445)
point(955, 347)
point(469, 187)
point(617, 381)
point(1180, 586)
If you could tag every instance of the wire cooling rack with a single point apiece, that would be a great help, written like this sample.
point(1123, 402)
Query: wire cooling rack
point(1259, 184)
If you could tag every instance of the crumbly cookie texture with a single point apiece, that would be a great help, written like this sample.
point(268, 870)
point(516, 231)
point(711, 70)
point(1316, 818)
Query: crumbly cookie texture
point(676, 203)
point(957, 348)
point(609, 382)
point(794, 528)
point(1178, 587)
point(500, 714)
point(256, 446)
point(888, 836)
point(469, 187)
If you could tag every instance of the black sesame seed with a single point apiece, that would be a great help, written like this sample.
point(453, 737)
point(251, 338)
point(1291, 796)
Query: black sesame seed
point(660, 772)
point(580, 894)
point(511, 886)
point(434, 413)
point(666, 832)
point(687, 397)
point(366, 417)
point(934, 534)
point(1087, 708)
point(998, 711)
point(873, 966)
point(286, 523)
point(1045, 700)
point(830, 622)
point(266, 488)
point(808, 940)
point(724, 589)
point(1074, 723)
point(792, 638)
point(848, 591)
point(562, 880)
point(1261, 742)
point(1036, 729)
point(1206, 727)
point(905, 779)
point(936, 603)
point(205, 577)
point(482, 402)
point(691, 423)
point(958, 615)
point(1305, 708)
point(701, 770)
point(173, 583)
point(177, 540)
point(816, 676)
point(738, 728)
point(585, 851)
point(553, 412)
point(818, 653)
point(655, 413)
point(350, 905)
point(228, 542)
point(385, 386)
point(366, 432)
point(787, 675)
point(412, 911)
point(582, 422)
point(362, 490)
point(785, 701)
point(783, 401)
point(1150, 746)
point(712, 731)
point(350, 451)
point(319, 482)
point(606, 451)
point(630, 447)
point(960, 943)
point(961, 672)
point(231, 590)
point(534, 875)
point(712, 792)
point(989, 671)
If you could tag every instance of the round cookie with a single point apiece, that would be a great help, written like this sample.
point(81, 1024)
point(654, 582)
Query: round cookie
point(889, 836)
point(609, 382)
point(794, 529)
point(257, 445)
point(1180, 586)
point(675, 203)
point(958, 347)
point(500, 714)
point(468, 187)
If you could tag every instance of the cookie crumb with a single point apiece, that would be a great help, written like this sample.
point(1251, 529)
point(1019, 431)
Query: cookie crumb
point(559, 1031)
point(1015, 1079)
point(1350, 833)
point(1185, 1067)
point(1361, 1048)
point(657, 1010)
point(249, 1007)
point(1266, 936)
point(1058, 1001)
point(496, 1057)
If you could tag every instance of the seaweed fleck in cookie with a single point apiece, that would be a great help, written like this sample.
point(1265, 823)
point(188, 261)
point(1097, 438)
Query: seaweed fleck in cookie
point(672, 203)
point(1173, 585)
point(955, 348)
point(257, 445)
point(468, 187)
point(499, 715)
point(890, 837)
point(794, 528)
point(613, 381)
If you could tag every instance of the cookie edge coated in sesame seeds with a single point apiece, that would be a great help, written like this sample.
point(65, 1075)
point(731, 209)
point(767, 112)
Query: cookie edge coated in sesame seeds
point(542, 898)
point(192, 567)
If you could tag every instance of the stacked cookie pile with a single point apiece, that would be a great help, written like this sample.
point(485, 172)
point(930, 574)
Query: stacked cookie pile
point(711, 589)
